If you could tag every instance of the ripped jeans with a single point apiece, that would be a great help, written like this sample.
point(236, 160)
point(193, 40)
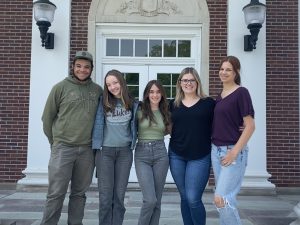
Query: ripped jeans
point(228, 182)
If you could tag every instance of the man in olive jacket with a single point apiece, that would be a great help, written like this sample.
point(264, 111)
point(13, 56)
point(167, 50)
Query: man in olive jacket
point(68, 120)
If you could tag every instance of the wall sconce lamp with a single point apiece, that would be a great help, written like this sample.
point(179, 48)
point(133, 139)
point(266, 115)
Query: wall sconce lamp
point(254, 14)
point(43, 11)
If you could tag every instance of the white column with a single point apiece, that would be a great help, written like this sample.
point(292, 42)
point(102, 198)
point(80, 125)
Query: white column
point(253, 76)
point(48, 66)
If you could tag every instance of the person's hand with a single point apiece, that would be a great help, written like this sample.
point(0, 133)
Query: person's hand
point(229, 158)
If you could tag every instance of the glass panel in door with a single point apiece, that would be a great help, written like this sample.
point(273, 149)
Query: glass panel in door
point(136, 77)
point(168, 76)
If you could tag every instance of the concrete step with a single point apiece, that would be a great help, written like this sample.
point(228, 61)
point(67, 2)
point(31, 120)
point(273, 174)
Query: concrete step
point(7, 222)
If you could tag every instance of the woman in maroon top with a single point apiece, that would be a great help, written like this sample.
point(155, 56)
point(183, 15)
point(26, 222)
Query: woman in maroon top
point(229, 145)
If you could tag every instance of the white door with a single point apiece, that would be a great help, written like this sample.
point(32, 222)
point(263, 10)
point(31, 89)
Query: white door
point(137, 77)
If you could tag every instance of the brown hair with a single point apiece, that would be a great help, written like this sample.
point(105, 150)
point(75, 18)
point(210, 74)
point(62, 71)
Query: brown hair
point(236, 65)
point(109, 100)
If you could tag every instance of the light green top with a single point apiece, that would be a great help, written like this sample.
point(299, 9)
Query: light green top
point(155, 132)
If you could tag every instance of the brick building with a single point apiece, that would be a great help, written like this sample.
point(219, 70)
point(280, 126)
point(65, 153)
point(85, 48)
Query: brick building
point(213, 29)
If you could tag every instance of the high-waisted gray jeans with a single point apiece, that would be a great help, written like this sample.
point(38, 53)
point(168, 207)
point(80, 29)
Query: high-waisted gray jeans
point(113, 166)
point(151, 164)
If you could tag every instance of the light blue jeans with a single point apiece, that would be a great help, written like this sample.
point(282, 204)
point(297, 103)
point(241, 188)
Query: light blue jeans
point(228, 182)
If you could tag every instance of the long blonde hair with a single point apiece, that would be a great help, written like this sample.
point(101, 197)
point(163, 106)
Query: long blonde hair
point(179, 93)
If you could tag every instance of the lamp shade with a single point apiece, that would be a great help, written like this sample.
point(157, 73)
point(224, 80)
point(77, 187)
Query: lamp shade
point(43, 10)
point(254, 13)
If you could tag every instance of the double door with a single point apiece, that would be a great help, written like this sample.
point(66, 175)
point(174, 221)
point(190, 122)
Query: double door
point(137, 77)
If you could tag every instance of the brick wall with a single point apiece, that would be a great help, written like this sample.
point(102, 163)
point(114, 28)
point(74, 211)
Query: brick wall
point(217, 47)
point(217, 42)
point(79, 28)
point(15, 50)
point(283, 153)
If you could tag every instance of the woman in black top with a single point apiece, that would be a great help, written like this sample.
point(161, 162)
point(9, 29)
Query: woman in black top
point(190, 144)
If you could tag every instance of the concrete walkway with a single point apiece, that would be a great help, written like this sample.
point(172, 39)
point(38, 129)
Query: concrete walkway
point(25, 208)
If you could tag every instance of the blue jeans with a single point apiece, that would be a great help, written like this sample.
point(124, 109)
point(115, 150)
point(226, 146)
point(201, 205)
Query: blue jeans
point(228, 182)
point(113, 166)
point(151, 165)
point(190, 177)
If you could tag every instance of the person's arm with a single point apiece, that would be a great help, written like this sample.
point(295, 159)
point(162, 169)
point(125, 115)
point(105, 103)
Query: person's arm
point(170, 125)
point(97, 133)
point(249, 127)
point(50, 113)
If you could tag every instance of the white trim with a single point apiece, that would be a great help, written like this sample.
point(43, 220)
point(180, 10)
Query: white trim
point(156, 31)
point(172, 30)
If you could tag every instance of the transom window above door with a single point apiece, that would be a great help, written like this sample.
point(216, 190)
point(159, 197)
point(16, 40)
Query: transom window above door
point(143, 52)
point(175, 48)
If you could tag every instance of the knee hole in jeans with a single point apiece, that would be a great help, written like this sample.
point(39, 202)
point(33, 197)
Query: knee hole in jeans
point(221, 202)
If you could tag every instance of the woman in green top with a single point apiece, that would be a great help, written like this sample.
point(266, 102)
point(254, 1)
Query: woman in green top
point(151, 158)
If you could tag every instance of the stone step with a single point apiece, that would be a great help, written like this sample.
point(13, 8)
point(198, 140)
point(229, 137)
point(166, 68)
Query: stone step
point(7, 222)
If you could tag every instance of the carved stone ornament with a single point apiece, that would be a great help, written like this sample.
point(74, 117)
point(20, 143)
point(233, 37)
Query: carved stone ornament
point(148, 8)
